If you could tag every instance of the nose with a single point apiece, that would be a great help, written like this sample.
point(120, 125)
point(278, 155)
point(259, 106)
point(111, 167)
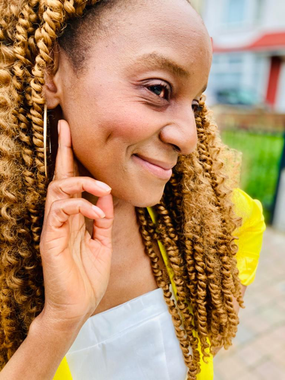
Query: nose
point(180, 131)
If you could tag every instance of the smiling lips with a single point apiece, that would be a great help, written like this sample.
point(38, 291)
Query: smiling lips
point(158, 168)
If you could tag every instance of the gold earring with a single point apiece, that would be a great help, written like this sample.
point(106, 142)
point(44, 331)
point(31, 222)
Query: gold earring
point(45, 139)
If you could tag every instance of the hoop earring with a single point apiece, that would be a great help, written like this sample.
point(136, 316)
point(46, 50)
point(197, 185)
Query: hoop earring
point(45, 140)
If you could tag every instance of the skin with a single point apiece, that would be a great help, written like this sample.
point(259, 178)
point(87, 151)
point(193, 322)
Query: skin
point(121, 69)
point(93, 261)
point(105, 139)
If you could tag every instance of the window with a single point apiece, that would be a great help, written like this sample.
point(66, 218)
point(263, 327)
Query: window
point(235, 12)
point(259, 10)
point(227, 71)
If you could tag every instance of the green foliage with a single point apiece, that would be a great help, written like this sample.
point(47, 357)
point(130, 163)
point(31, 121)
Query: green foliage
point(261, 155)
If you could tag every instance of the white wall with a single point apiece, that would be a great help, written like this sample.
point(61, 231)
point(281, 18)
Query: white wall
point(274, 15)
point(261, 16)
point(253, 69)
point(272, 19)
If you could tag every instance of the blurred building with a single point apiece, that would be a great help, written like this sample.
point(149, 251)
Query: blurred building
point(249, 46)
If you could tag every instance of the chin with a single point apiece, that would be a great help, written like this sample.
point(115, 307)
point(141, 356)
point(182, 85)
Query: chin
point(149, 200)
point(143, 198)
point(147, 203)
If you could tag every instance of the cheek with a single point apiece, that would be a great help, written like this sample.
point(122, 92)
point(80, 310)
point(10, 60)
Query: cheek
point(108, 124)
point(128, 124)
point(106, 115)
point(110, 135)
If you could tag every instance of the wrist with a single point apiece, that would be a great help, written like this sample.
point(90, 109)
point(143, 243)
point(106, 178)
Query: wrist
point(55, 327)
point(46, 344)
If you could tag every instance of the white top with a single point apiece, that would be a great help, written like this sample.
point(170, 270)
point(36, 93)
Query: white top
point(132, 341)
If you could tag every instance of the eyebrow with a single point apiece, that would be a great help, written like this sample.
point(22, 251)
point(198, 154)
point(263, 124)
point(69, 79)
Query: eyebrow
point(160, 61)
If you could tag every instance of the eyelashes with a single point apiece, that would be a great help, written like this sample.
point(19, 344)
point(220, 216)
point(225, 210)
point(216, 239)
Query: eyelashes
point(161, 93)
point(164, 90)
point(196, 106)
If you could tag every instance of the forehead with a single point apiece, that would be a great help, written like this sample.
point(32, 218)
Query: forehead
point(154, 20)
point(165, 19)
point(136, 28)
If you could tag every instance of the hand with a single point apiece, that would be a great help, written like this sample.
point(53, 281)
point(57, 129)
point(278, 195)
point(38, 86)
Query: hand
point(76, 266)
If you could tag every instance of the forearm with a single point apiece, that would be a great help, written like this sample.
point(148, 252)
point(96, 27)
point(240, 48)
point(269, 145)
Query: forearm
point(40, 354)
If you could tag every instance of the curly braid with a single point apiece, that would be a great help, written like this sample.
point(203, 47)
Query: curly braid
point(195, 218)
point(28, 30)
point(196, 224)
point(178, 311)
point(230, 283)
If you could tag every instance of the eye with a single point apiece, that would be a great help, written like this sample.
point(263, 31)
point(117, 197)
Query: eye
point(161, 90)
point(196, 106)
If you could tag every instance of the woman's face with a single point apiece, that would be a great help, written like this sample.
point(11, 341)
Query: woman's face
point(131, 111)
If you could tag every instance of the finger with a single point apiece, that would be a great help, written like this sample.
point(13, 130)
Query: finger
point(64, 164)
point(61, 211)
point(66, 188)
point(102, 229)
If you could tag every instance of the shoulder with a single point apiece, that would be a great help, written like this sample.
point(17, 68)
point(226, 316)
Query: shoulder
point(250, 210)
point(249, 234)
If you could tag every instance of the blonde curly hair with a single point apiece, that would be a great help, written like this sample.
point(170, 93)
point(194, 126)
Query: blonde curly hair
point(195, 218)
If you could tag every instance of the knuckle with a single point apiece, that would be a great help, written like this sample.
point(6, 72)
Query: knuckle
point(53, 185)
point(67, 174)
point(60, 206)
point(60, 187)
point(56, 188)
point(79, 182)
point(80, 204)
point(56, 207)
point(58, 213)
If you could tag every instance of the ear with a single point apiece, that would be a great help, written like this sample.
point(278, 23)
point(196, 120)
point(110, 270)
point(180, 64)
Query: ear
point(51, 88)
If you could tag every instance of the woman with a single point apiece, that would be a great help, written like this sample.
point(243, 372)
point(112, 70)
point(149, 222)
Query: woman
point(136, 210)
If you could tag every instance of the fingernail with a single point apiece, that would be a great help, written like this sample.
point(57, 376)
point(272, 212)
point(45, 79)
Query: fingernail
point(58, 127)
point(103, 186)
point(98, 211)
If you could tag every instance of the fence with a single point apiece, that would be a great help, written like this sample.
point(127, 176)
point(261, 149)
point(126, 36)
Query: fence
point(262, 143)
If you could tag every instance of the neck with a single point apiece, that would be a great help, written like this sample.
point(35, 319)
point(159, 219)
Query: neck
point(125, 228)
